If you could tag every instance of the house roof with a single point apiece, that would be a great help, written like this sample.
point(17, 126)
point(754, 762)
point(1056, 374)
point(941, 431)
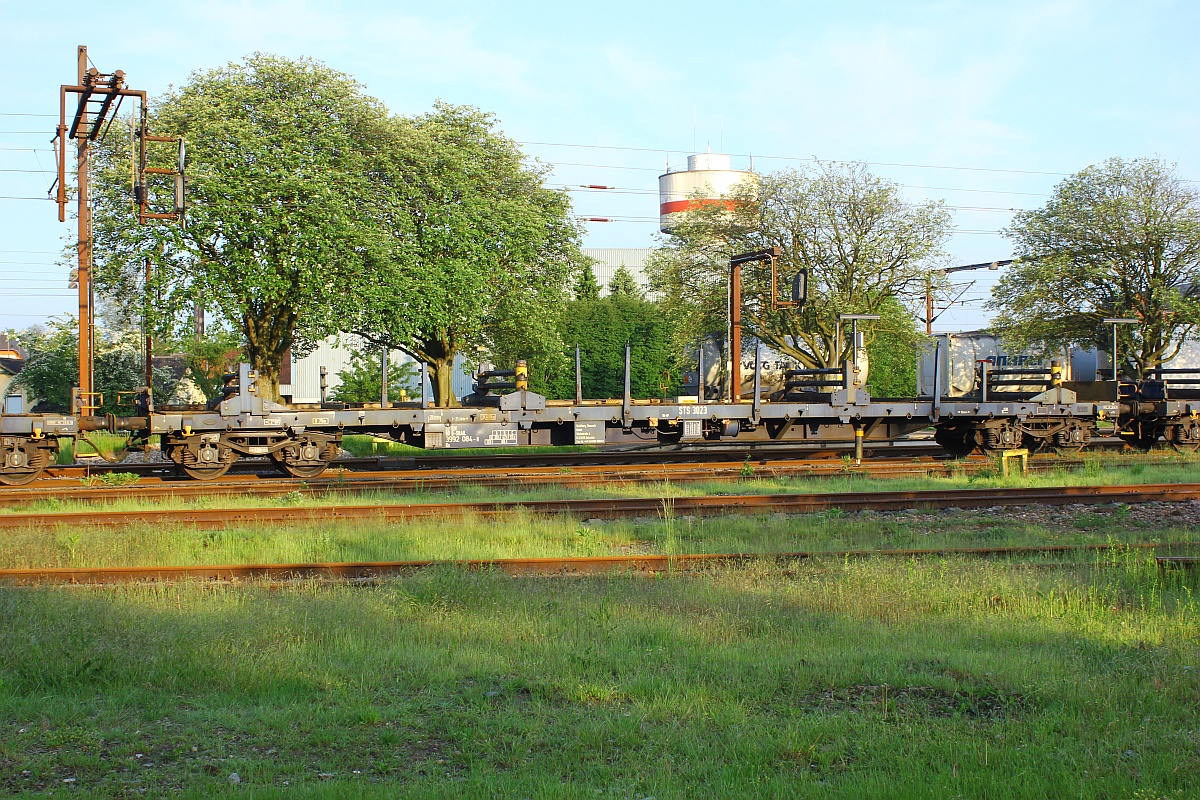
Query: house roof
point(11, 366)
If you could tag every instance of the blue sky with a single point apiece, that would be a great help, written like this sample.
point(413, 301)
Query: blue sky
point(983, 105)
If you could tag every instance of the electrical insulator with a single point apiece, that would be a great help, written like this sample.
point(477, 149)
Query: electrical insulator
point(73, 279)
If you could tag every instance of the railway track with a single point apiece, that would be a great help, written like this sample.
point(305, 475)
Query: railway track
point(434, 460)
point(367, 571)
point(440, 480)
point(446, 480)
point(612, 508)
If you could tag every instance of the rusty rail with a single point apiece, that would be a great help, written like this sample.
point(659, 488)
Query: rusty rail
point(446, 480)
point(428, 480)
point(615, 507)
point(448, 460)
point(362, 571)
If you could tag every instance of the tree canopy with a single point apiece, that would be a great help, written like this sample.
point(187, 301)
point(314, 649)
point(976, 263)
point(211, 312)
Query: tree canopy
point(471, 249)
point(866, 249)
point(277, 219)
point(52, 368)
point(1118, 239)
point(601, 327)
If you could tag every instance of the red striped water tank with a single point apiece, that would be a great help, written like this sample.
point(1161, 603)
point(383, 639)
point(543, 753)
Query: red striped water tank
point(708, 179)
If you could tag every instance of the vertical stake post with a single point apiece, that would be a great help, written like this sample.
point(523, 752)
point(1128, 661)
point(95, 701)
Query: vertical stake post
point(578, 378)
point(626, 400)
point(424, 380)
point(735, 324)
point(937, 381)
point(383, 366)
point(149, 335)
point(757, 407)
point(700, 388)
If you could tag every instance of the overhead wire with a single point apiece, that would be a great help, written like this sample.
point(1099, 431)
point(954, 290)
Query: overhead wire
point(811, 159)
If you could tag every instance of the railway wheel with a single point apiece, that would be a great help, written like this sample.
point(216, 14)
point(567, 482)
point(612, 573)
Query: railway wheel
point(1072, 439)
point(203, 461)
point(22, 460)
point(1145, 437)
point(958, 441)
point(307, 457)
point(1002, 437)
point(1185, 438)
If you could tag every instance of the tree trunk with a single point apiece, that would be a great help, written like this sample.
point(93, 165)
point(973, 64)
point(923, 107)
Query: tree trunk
point(441, 376)
point(268, 337)
point(268, 380)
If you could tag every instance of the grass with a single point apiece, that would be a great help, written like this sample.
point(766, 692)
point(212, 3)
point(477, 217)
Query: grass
point(365, 446)
point(528, 535)
point(69, 449)
point(830, 678)
point(944, 678)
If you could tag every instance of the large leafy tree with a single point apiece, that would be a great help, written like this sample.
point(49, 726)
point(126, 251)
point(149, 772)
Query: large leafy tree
point(278, 215)
point(472, 250)
point(866, 250)
point(1118, 239)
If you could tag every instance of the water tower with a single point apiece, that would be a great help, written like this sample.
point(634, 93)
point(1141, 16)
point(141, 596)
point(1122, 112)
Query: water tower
point(707, 180)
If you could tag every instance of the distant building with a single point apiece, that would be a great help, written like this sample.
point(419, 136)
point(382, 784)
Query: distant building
point(12, 361)
point(610, 259)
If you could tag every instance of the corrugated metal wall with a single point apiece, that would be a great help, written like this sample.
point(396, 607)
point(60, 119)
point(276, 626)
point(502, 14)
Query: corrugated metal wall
point(609, 259)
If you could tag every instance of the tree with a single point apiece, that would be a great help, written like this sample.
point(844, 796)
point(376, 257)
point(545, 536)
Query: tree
point(601, 327)
point(277, 219)
point(209, 358)
point(892, 352)
point(52, 368)
point(362, 380)
point(471, 250)
point(866, 249)
point(586, 285)
point(1118, 239)
point(623, 284)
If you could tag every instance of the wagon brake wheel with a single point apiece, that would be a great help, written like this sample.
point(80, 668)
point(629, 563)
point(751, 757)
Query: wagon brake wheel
point(21, 465)
point(956, 441)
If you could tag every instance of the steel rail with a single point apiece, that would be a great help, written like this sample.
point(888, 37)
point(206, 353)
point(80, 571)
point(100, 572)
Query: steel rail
point(447, 460)
point(586, 476)
point(446, 480)
point(361, 571)
point(615, 507)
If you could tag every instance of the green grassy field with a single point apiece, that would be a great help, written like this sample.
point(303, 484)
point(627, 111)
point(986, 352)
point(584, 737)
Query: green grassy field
point(940, 677)
point(532, 536)
point(945, 678)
